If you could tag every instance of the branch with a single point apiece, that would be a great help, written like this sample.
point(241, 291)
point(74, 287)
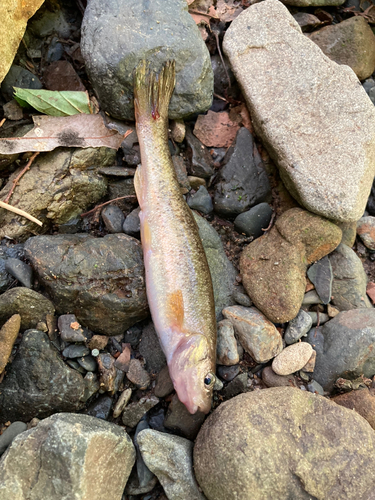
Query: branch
point(20, 212)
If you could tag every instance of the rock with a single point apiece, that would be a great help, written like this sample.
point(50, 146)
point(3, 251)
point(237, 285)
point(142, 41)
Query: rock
point(76, 366)
point(105, 278)
point(273, 267)
point(134, 412)
point(242, 182)
point(122, 401)
point(292, 358)
point(49, 21)
point(138, 375)
point(228, 373)
point(75, 351)
point(349, 280)
point(236, 386)
point(200, 159)
point(164, 384)
point(151, 350)
point(332, 311)
point(311, 298)
point(8, 335)
point(10, 433)
point(341, 440)
point(220, 75)
point(29, 390)
point(91, 385)
point(344, 347)
point(366, 231)
point(216, 129)
point(201, 201)
point(196, 182)
point(350, 42)
point(150, 33)
point(87, 458)
point(315, 388)
point(271, 379)
point(179, 419)
point(110, 377)
point(242, 298)
point(143, 472)
point(113, 218)
point(320, 274)
point(170, 459)
point(101, 407)
point(57, 188)
point(227, 352)
point(30, 305)
point(88, 363)
point(123, 361)
point(98, 342)
point(253, 221)
point(298, 327)
point(362, 401)
point(310, 365)
point(306, 91)
point(306, 21)
point(223, 273)
point(349, 232)
point(61, 75)
point(132, 224)
point(69, 328)
point(321, 319)
point(178, 130)
point(20, 270)
point(257, 335)
point(19, 77)
point(12, 110)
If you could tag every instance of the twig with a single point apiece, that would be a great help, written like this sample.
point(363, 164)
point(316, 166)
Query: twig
point(15, 182)
point(106, 203)
point(271, 222)
point(221, 56)
point(20, 212)
point(219, 97)
point(2, 122)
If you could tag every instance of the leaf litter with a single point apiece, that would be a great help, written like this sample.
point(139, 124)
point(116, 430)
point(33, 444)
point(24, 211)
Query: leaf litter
point(54, 102)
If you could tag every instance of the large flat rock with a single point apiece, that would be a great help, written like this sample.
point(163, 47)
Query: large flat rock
point(313, 115)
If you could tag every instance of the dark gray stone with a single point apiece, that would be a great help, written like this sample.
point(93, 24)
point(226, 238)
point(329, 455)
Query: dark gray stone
point(132, 224)
point(164, 384)
point(254, 220)
point(67, 332)
point(100, 280)
point(228, 373)
point(76, 366)
point(10, 433)
point(88, 363)
point(298, 327)
point(237, 386)
point(75, 351)
point(19, 77)
point(101, 407)
point(242, 182)
point(38, 382)
point(143, 472)
point(345, 347)
point(201, 201)
point(221, 84)
point(200, 159)
point(5, 278)
point(155, 31)
point(151, 350)
point(20, 270)
point(113, 218)
point(315, 388)
point(179, 419)
point(320, 274)
point(133, 412)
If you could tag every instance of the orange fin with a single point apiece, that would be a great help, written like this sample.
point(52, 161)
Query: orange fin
point(175, 303)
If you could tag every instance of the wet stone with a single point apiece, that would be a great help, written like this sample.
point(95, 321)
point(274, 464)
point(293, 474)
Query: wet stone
point(298, 327)
point(143, 472)
point(20, 270)
point(132, 224)
point(179, 419)
point(227, 353)
point(10, 433)
point(113, 218)
point(101, 407)
point(138, 375)
point(164, 384)
point(88, 363)
point(254, 221)
point(201, 162)
point(76, 366)
point(75, 351)
point(271, 379)
point(151, 350)
point(70, 329)
point(228, 373)
point(237, 386)
point(201, 201)
point(320, 274)
point(133, 412)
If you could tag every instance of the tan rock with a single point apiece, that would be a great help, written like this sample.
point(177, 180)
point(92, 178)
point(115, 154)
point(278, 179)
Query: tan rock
point(178, 130)
point(366, 231)
point(292, 358)
point(271, 379)
point(362, 401)
point(8, 335)
point(350, 42)
point(310, 365)
point(216, 129)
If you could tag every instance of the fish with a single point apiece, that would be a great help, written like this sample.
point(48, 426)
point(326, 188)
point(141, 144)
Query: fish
point(178, 280)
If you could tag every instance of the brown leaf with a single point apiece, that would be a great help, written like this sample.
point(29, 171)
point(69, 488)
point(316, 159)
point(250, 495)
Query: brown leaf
point(50, 132)
point(216, 130)
point(227, 10)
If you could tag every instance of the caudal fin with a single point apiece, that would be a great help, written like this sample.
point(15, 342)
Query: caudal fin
point(153, 91)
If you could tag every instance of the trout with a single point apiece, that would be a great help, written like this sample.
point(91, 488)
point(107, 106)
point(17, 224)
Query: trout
point(178, 280)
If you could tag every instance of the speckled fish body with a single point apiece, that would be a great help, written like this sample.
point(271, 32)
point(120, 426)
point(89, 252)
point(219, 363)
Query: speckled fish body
point(178, 280)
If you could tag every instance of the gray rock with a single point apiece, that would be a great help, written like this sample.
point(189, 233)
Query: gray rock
point(227, 352)
point(101, 407)
point(223, 273)
point(133, 413)
point(38, 382)
point(69, 328)
point(20, 270)
point(132, 224)
point(297, 327)
point(19, 77)
point(228, 373)
point(143, 472)
point(113, 218)
point(12, 110)
point(58, 188)
point(365, 230)
point(10, 433)
point(311, 298)
point(200, 159)
point(164, 384)
point(148, 31)
point(32, 306)
point(49, 21)
point(138, 375)
point(322, 318)
point(320, 274)
point(91, 385)
point(282, 423)
point(170, 459)
point(76, 366)
point(306, 21)
point(300, 102)
point(345, 347)
point(179, 419)
point(236, 386)
point(151, 350)
point(88, 363)
point(243, 182)
point(68, 456)
point(313, 3)
point(349, 280)
point(271, 379)
point(100, 280)
point(315, 388)
point(257, 335)
point(242, 298)
point(201, 201)
point(75, 351)
point(254, 220)
point(221, 84)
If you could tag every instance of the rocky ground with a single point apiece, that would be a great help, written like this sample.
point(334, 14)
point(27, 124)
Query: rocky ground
point(273, 139)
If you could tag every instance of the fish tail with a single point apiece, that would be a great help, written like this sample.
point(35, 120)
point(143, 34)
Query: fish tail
point(152, 90)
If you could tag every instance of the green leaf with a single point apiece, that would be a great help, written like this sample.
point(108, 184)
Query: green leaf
point(53, 102)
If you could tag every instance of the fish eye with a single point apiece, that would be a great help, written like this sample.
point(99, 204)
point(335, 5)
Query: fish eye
point(209, 379)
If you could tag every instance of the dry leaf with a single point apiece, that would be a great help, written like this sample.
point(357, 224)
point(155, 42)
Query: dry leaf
point(14, 16)
point(50, 132)
point(75, 325)
point(227, 10)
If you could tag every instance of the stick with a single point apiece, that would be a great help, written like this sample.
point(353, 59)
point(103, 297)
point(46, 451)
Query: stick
point(20, 212)
point(106, 203)
point(2, 122)
point(221, 56)
point(15, 182)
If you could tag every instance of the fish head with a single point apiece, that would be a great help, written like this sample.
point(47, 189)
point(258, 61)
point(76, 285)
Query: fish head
point(192, 370)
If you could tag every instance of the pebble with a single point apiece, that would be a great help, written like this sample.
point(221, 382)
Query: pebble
point(320, 274)
point(117, 171)
point(314, 387)
point(271, 379)
point(237, 386)
point(332, 311)
point(178, 130)
point(292, 358)
point(227, 373)
point(323, 318)
point(113, 218)
point(227, 353)
point(218, 386)
point(8, 335)
point(156, 419)
point(254, 220)
point(133, 413)
point(138, 375)
point(88, 363)
point(76, 366)
point(310, 365)
point(123, 361)
point(311, 298)
point(19, 77)
point(196, 182)
point(10, 433)
point(98, 342)
point(242, 298)
point(75, 351)
point(150, 349)
point(91, 384)
point(201, 201)
point(178, 418)
point(201, 162)
point(298, 327)
point(101, 407)
point(366, 231)
point(143, 472)
point(70, 329)
point(122, 401)
point(12, 110)
point(132, 224)
point(110, 376)
point(164, 384)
